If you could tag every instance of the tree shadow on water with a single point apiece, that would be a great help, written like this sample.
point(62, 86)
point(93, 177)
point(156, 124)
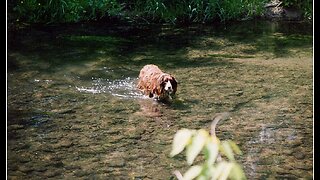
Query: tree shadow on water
point(131, 47)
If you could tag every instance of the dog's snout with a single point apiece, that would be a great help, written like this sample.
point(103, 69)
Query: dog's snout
point(168, 86)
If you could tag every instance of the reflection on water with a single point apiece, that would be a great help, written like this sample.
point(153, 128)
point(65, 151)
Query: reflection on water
point(74, 110)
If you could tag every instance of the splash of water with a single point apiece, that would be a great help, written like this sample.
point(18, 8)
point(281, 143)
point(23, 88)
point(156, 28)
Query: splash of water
point(123, 88)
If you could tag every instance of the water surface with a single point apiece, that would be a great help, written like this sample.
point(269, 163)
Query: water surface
point(74, 112)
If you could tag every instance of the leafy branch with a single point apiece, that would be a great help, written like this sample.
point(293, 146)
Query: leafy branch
point(214, 167)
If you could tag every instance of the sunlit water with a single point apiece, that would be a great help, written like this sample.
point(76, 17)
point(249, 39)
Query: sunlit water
point(74, 110)
point(123, 88)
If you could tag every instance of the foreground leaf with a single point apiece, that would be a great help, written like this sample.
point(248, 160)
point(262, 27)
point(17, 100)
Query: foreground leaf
point(192, 173)
point(211, 151)
point(227, 150)
point(237, 173)
point(222, 171)
point(180, 140)
point(235, 147)
point(197, 143)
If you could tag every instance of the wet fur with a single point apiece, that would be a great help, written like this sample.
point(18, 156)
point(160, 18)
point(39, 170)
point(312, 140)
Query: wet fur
point(152, 81)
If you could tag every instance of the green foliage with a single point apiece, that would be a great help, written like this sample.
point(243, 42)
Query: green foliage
point(52, 11)
point(304, 5)
point(213, 150)
point(235, 9)
point(47, 11)
point(199, 10)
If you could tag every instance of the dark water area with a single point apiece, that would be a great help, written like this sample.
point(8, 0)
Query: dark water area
point(73, 110)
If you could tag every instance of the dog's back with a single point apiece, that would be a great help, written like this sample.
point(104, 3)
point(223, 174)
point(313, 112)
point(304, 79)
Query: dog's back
point(149, 69)
point(147, 78)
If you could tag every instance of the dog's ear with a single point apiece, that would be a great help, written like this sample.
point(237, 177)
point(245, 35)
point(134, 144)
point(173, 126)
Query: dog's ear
point(160, 80)
point(160, 84)
point(174, 83)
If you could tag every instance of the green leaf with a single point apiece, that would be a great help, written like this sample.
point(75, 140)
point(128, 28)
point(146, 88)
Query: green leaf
point(237, 173)
point(235, 147)
point(207, 172)
point(222, 170)
point(227, 150)
point(211, 151)
point(180, 140)
point(192, 173)
point(217, 170)
point(226, 171)
point(202, 177)
point(197, 143)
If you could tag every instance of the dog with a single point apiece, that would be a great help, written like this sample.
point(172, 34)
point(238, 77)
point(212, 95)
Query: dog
point(153, 82)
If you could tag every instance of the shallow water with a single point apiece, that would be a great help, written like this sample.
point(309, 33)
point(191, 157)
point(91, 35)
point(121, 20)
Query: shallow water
point(74, 112)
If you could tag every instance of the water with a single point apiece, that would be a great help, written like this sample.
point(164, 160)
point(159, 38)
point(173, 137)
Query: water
point(74, 110)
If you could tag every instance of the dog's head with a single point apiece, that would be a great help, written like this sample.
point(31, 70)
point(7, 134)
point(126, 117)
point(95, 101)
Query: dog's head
point(166, 86)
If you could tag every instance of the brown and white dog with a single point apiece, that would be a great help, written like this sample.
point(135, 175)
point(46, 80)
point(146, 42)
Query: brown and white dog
point(155, 83)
